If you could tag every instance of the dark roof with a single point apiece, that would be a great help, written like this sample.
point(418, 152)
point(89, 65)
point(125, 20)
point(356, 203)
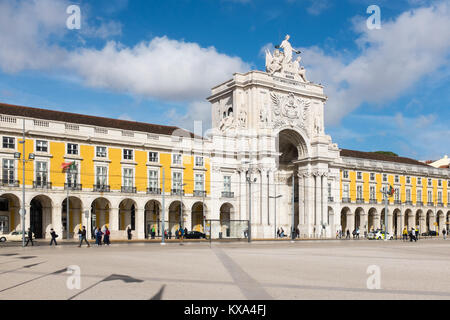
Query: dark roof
point(381, 157)
point(21, 111)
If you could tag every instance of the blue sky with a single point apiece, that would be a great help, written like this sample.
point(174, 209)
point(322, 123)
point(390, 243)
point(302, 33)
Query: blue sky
point(156, 61)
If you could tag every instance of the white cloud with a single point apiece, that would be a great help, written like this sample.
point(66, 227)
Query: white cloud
point(25, 29)
point(392, 60)
point(162, 68)
point(195, 111)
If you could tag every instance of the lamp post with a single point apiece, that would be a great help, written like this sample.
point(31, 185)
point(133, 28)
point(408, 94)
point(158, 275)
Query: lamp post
point(181, 205)
point(275, 210)
point(250, 181)
point(163, 205)
point(30, 158)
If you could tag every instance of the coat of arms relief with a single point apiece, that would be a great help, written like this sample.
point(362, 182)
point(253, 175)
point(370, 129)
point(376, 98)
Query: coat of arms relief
point(289, 110)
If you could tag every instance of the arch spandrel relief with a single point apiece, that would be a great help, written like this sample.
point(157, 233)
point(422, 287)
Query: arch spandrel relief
point(289, 110)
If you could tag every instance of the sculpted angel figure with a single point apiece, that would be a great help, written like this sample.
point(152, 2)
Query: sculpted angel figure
point(301, 71)
point(274, 63)
point(287, 49)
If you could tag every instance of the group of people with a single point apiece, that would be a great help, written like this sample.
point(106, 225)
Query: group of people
point(282, 234)
point(355, 233)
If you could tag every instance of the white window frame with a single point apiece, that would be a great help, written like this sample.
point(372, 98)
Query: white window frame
point(202, 181)
point(179, 185)
point(202, 161)
point(8, 144)
point(124, 177)
point(359, 192)
point(153, 182)
point(345, 174)
point(128, 153)
point(97, 175)
point(372, 176)
point(150, 159)
point(227, 184)
point(179, 157)
point(36, 171)
point(9, 169)
point(70, 150)
point(97, 149)
point(346, 191)
point(373, 193)
point(46, 146)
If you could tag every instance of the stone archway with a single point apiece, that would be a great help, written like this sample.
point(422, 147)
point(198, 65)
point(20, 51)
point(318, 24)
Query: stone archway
point(100, 209)
point(346, 224)
point(226, 212)
point(429, 225)
point(175, 220)
point(41, 216)
point(397, 222)
point(440, 219)
point(372, 220)
point(127, 214)
point(153, 218)
point(75, 217)
point(408, 219)
point(9, 213)
point(197, 216)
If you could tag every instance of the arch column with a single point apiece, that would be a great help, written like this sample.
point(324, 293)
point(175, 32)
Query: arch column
point(432, 221)
point(264, 197)
point(309, 203)
point(400, 223)
point(114, 219)
point(317, 204)
point(57, 220)
point(139, 221)
point(390, 226)
point(364, 221)
point(350, 217)
point(187, 218)
point(324, 202)
point(301, 203)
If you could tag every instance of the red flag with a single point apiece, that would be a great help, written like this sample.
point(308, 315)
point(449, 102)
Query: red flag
point(67, 165)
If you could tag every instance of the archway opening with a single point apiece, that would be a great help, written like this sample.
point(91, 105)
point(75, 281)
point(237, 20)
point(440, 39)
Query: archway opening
point(75, 216)
point(9, 213)
point(153, 219)
point(226, 211)
point(127, 214)
point(40, 216)
point(99, 214)
point(197, 218)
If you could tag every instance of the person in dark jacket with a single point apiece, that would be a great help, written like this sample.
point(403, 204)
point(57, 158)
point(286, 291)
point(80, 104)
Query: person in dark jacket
point(99, 235)
point(129, 233)
point(106, 236)
point(54, 236)
point(83, 236)
point(348, 234)
point(30, 238)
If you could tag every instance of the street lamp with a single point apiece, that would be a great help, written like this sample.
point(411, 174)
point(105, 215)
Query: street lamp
point(250, 181)
point(181, 205)
point(275, 211)
point(30, 158)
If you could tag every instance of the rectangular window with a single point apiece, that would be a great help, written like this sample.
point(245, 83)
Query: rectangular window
point(372, 176)
point(72, 176)
point(41, 173)
point(329, 189)
point(430, 196)
point(419, 195)
point(176, 159)
point(345, 174)
point(100, 152)
point(397, 194)
point(430, 182)
point(408, 195)
point(128, 180)
point(41, 146)
point(408, 180)
point(345, 193)
point(8, 171)
point(439, 183)
point(397, 179)
point(9, 143)
point(359, 192)
point(101, 176)
point(127, 154)
point(227, 183)
point(199, 185)
point(372, 193)
point(419, 180)
point(384, 177)
point(385, 188)
point(359, 175)
point(199, 161)
point(153, 181)
point(177, 180)
point(439, 197)
point(153, 157)
point(72, 149)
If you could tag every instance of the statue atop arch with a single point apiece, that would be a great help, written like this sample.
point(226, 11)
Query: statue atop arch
point(282, 63)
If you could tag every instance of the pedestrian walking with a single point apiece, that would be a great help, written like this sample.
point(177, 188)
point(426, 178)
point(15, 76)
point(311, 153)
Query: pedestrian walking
point(165, 234)
point(297, 233)
point(282, 233)
point(129, 233)
point(354, 233)
point(106, 236)
point(185, 231)
point(98, 237)
point(413, 235)
point(83, 236)
point(30, 238)
point(153, 232)
point(405, 234)
point(278, 233)
point(444, 233)
point(417, 233)
point(95, 235)
point(348, 234)
point(54, 236)
point(357, 233)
